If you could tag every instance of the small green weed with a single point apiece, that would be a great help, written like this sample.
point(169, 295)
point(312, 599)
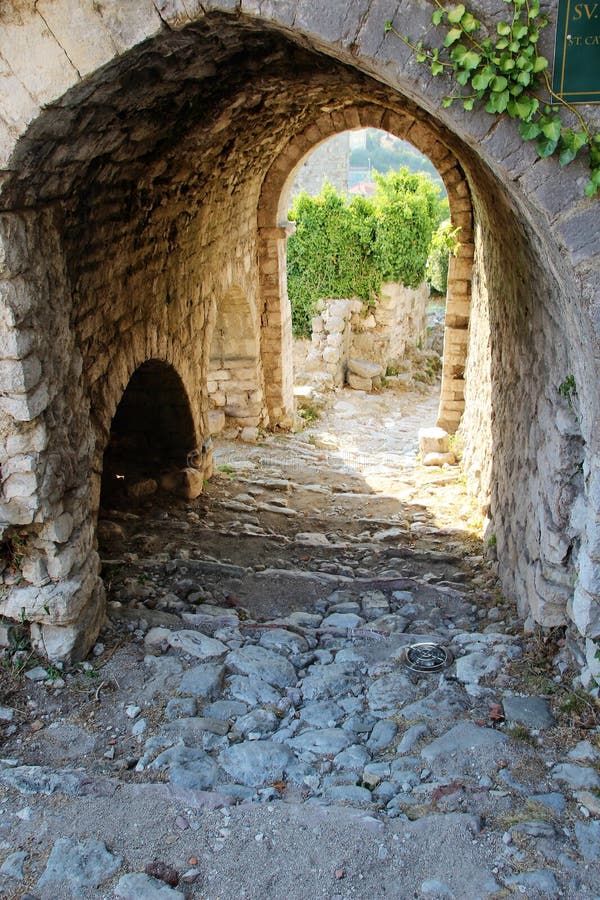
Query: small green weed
point(226, 470)
point(568, 389)
point(520, 733)
point(309, 413)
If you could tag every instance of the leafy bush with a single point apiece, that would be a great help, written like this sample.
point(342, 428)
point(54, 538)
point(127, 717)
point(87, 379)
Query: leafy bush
point(347, 248)
point(443, 243)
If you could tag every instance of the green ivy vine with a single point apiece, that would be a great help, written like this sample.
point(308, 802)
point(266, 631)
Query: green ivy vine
point(506, 73)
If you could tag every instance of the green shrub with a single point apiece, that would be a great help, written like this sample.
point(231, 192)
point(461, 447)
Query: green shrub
point(443, 243)
point(347, 248)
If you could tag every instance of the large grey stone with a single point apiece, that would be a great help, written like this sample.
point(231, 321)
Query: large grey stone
point(322, 713)
point(326, 681)
point(532, 711)
point(541, 883)
point(255, 763)
point(443, 704)
point(382, 735)
point(197, 644)
point(204, 680)
point(279, 639)
point(588, 838)
point(411, 736)
point(252, 690)
point(321, 742)
point(349, 793)
point(353, 758)
point(264, 664)
point(473, 666)
point(138, 886)
point(390, 692)
point(12, 867)
point(259, 721)
point(342, 620)
point(78, 865)
point(463, 737)
point(576, 776)
point(226, 709)
point(188, 767)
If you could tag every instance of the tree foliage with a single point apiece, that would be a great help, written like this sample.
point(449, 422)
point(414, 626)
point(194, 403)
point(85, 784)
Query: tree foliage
point(347, 248)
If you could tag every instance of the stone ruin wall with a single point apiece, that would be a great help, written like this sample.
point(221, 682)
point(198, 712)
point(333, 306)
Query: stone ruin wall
point(234, 377)
point(381, 334)
point(138, 188)
point(329, 162)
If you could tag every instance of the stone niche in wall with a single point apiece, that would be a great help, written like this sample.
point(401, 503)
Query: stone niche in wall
point(235, 392)
point(383, 333)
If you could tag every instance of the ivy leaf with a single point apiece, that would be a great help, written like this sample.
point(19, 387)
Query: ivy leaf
point(438, 16)
point(456, 14)
point(498, 101)
point(571, 143)
point(523, 108)
point(470, 60)
point(506, 63)
point(552, 128)
point(499, 83)
point(482, 79)
point(447, 101)
point(566, 155)
point(524, 63)
point(545, 146)
point(470, 23)
point(469, 103)
point(590, 189)
point(595, 179)
point(524, 78)
point(519, 31)
point(436, 68)
point(388, 26)
point(540, 64)
point(452, 37)
point(503, 28)
point(463, 76)
point(529, 130)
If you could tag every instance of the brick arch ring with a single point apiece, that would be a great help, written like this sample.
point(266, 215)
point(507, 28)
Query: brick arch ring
point(273, 230)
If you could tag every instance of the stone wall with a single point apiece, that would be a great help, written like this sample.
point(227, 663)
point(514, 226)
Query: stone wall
point(396, 323)
point(381, 334)
point(147, 151)
point(330, 163)
point(234, 373)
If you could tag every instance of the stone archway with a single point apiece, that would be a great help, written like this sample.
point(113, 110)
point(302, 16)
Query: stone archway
point(234, 374)
point(274, 229)
point(152, 430)
point(135, 142)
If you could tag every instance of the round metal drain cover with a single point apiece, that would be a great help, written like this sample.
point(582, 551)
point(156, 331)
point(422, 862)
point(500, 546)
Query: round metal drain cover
point(426, 657)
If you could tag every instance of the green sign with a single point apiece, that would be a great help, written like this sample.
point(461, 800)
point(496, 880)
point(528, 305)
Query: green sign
point(577, 52)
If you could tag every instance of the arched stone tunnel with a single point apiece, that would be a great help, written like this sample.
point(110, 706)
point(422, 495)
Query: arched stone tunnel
point(145, 152)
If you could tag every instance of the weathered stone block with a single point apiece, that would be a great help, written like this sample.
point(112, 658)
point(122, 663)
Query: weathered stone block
point(433, 440)
point(19, 376)
point(585, 612)
point(439, 459)
point(191, 484)
point(216, 421)
point(357, 383)
point(73, 642)
point(364, 369)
